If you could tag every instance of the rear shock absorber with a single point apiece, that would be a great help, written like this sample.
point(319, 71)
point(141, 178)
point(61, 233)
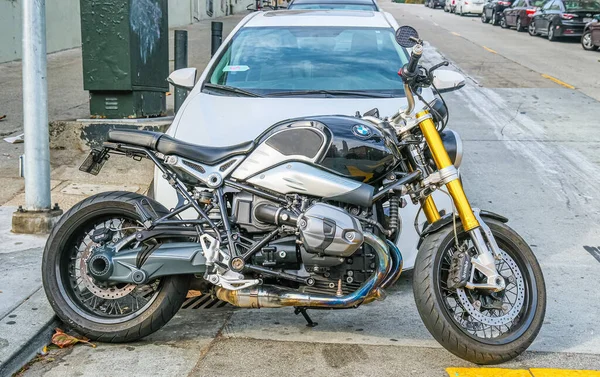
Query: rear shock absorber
point(394, 221)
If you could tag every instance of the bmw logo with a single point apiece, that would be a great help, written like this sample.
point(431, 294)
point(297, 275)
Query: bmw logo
point(361, 131)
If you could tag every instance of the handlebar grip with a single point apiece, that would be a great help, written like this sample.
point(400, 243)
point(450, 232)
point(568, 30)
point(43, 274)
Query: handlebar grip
point(413, 64)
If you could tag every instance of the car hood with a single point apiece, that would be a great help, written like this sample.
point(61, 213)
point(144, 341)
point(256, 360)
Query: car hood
point(213, 120)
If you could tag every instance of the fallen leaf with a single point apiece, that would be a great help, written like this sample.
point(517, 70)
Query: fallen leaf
point(62, 340)
point(192, 293)
point(2, 117)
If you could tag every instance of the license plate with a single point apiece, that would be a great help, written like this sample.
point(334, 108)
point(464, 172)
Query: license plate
point(94, 161)
point(587, 19)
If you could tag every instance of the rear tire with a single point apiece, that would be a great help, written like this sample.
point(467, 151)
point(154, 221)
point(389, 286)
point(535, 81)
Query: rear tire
point(551, 36)
point(166, 299)
point(442, 322)
point(494, 18)
point(520, 27)
point(503, 23)
point(531, 29)
point(484, 18)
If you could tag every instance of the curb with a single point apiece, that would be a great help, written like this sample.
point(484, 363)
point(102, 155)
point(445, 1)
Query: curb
point(25, 331)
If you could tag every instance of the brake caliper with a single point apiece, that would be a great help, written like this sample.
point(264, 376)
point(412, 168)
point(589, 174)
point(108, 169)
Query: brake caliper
point(460, 270)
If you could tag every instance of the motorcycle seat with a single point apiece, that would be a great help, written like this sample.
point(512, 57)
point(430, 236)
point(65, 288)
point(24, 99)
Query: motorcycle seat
point(165, 144)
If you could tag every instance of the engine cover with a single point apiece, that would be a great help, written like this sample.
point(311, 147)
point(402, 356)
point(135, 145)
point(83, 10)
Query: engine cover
point(328, 230)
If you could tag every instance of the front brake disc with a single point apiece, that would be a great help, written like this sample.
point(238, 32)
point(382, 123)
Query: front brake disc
point(486, 317)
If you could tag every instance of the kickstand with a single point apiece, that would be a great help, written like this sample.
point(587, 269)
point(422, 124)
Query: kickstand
point(309, 321)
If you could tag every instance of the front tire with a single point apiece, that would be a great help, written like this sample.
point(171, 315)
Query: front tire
point(494, 18)
point(586, 42)
point(450, 325)
point(88, 306)
point(531, 29)
point(551, 34)
point(520, 25)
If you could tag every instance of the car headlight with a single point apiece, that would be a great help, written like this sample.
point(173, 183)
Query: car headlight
point(454, 146)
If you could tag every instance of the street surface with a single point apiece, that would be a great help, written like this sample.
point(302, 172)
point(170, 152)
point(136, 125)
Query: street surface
point(530, 154)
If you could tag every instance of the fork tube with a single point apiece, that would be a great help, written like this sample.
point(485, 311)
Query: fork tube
point(430, 210)
point(442, 160)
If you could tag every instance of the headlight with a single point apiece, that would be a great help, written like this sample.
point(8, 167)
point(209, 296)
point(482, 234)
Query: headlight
point(454, 146)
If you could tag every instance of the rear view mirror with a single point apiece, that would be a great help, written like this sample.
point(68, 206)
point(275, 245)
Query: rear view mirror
point(446, 80)
point(183, 78)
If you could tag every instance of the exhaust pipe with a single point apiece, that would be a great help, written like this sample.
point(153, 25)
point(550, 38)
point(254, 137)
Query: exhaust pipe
point(397, 263)
point(274, 297)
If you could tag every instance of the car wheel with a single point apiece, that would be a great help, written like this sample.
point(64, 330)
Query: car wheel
point(519, 25)
point(586, 42)
point(551, 35)
point(531, 29)
point(484, 18)
point(503, 23)
point(494, 18)
point(446, 9)
point(461, 12)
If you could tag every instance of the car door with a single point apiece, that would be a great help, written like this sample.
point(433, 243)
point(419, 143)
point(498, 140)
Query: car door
point(541, 20)
point(553, 15)
point(510, 13)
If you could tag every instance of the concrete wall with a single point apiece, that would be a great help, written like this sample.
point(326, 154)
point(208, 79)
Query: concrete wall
point(63, 28)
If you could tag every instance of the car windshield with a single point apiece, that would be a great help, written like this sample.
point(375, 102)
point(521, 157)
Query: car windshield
point(584, 5)
point(275, 60)
point(334, 6)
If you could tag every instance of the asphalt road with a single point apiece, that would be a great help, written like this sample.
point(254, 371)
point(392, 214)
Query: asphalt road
point(531, 154)
point(503, 58)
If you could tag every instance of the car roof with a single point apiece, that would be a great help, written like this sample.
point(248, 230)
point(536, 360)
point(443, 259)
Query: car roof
point(319, 18)
point(368, 2)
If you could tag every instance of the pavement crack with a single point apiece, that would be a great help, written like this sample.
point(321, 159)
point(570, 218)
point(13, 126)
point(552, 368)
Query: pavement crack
point(207, 349)
point(510, 121)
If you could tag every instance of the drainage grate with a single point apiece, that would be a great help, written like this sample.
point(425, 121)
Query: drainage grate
point(205, 302)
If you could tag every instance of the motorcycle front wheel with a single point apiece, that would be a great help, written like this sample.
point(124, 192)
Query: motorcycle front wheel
point(479, 326)
point(104, 311)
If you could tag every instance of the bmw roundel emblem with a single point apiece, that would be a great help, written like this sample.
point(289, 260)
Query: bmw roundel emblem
point(361, 131)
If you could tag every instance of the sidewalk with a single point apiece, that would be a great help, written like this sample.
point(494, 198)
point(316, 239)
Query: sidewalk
point(68, 101)
point(26, 318)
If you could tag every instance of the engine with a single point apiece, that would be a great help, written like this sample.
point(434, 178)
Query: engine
point(326, 242)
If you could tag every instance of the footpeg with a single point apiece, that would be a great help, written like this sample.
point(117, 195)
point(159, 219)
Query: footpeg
point(460, 270)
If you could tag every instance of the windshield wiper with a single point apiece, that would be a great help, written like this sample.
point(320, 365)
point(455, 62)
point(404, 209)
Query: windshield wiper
point(230, 89)
point(332, 93)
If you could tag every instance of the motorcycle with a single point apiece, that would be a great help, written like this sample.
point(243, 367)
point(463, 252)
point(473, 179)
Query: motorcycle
point(305, 216)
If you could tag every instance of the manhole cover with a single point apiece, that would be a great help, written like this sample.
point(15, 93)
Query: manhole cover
point(205, 302)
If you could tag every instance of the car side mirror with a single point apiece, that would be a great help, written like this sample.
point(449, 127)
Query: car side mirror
point(184, 78)
point(446, 80)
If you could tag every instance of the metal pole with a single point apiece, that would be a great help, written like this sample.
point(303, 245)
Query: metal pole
point(181, 61)
point(35, 107)
point(216, 29)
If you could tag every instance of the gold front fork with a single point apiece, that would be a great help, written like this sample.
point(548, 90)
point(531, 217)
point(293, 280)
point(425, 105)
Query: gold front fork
point(442, 160)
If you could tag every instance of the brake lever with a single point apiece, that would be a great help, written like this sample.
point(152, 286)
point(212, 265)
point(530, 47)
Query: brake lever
point(445, 63)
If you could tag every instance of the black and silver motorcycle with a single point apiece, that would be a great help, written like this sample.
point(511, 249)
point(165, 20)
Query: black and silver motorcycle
point(305, 216)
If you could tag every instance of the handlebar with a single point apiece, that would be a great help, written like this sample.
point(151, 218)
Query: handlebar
point(409, 72)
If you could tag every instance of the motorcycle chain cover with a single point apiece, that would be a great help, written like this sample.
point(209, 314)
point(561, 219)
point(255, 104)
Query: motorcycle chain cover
point(460, 270)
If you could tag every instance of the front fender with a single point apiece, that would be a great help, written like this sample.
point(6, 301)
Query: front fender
point(447, 219)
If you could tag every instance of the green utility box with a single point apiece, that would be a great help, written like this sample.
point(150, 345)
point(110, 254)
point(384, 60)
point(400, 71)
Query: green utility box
point(125, 47)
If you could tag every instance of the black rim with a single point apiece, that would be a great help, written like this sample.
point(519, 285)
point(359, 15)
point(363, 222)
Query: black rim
point(467, 324)
point(93, 300)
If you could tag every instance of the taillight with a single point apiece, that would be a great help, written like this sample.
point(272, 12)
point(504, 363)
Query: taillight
point(466, 3)
point(568, 16)
point(530, 12)
point(505, 3)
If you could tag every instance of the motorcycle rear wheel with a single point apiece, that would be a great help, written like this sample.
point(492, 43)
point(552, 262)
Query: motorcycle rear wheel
point(100, 311)
point(465, 333)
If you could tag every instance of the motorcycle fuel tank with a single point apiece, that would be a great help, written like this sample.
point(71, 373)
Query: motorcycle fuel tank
point(334, 157)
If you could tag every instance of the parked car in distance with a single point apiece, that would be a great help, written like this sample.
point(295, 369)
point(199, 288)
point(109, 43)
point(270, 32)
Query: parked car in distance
point(435, 3)
point(333, 4)
point(591, 34)
point(464, 7)
point(450, 6)
point(563, 18)
point(492, 10)
point(520, 13)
